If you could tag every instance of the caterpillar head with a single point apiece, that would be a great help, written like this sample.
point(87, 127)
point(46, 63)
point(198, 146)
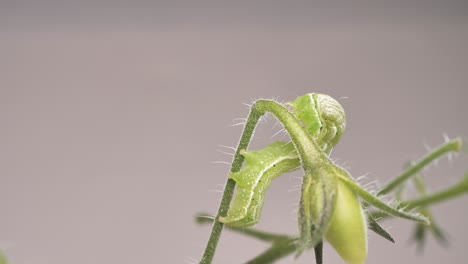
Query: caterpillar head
point(322, 116)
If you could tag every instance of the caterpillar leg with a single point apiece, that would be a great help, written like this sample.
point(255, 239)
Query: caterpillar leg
point(244, 211)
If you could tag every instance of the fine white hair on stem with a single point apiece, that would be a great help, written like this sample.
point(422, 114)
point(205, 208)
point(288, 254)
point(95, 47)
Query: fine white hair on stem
point(276, 99)
point(330, 152)
point(191, 260)
point(277, 133)
point(293, 211)
point(252, 102)
point(221, 162)
point(277, 123)
point(394, 203)
point(263, 120)
point(293, 177)
point(219, 188)
point(298, 167)
point(343, 164)
point(266, 119)
point(362, 178)
point(216, 191)
point(239, 119)
point(450, 158)
point(371, 185)
point(375, 218)
point(249, 105)
point(450, 155)
point(224, 152)
point(282, 134)
point(387, 229)
point(295, 188)
point(446, 138)
point(238, 122)
point(367, 184)
point(427, 147)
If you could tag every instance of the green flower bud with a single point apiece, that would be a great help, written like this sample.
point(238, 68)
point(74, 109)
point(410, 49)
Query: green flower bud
point(347, 232)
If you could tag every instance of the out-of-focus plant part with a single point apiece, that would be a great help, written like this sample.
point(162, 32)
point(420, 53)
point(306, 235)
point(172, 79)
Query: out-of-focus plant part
point(421, 231)
point(3, 259)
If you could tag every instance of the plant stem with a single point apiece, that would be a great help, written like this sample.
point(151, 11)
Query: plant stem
point(277, 251)
point(377, 203)
point(261, 235)
point(283, 245)
point(217, 228)
point(449, 193)
point(318, 249)
point(451, 146)
point(438, 197)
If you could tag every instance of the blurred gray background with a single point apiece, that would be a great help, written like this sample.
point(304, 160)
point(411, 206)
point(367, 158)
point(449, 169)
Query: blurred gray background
point(111, 113)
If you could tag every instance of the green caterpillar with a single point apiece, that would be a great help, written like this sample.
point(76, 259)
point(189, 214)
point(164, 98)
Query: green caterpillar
point(254, 179)
point(324, 119)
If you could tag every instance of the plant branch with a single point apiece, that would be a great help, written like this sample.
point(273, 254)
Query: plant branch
point(282, 246)
point(277, 251)
point(451, 146)
point(455, 190)
point(217, 228)
point(379, 204)
point(449, 193)
point(261, 235)
point(318, 249)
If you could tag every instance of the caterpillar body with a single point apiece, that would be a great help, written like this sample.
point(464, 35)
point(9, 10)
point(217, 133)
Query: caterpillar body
point(324, 119)
point(255, 177)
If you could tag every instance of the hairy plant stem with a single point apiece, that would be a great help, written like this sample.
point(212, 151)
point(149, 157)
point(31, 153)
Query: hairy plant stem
point(455, 190)
point(202, 218)
point(277, 251)
point(430, 199)
point(282, 245)
point(307, 149)
point(451, 146)
point(217, 228)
